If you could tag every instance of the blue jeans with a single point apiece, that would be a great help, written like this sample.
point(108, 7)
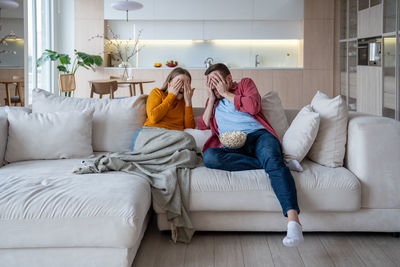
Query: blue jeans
point(261, 151)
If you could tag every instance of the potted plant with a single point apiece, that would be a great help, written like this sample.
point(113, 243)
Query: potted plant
point(67, 70)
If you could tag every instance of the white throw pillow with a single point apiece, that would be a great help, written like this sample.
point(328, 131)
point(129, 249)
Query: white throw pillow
point(275, 113)
point(114, 120)
point(330, 144)
point(59, 135)
point(200, 136)
point(301, 134)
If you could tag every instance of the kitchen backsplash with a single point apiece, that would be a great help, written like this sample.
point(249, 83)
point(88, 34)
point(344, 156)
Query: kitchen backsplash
point(234, 53)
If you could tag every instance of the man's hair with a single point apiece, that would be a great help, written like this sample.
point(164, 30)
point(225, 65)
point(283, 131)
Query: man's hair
point(222, 68)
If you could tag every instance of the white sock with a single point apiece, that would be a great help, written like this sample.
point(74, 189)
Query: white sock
point(294, 236)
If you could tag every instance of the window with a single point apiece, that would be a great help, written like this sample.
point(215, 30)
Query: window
point(39, 27)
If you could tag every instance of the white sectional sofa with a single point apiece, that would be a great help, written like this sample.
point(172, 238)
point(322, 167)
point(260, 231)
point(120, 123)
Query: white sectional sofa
point(50, 217)
point(361, 196)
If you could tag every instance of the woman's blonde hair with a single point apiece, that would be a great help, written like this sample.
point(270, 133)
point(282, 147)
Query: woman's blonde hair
point(175, 72)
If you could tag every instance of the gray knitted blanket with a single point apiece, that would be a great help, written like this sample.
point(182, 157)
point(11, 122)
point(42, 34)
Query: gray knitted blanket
point(164, 158)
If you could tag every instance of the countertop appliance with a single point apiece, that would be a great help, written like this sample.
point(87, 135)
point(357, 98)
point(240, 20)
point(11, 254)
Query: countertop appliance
point(369, 52)
point(209, 61)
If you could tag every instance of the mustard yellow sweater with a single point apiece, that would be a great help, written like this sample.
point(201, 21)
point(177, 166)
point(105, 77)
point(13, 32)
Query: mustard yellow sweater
point(165, 111)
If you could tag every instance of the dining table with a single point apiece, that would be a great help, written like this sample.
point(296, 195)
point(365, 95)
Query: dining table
point(18, 83)
point(132, 84)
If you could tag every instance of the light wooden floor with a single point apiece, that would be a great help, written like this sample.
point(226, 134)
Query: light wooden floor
point(266, 249)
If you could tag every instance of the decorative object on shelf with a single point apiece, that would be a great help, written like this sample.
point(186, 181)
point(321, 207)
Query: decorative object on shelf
point(81, 60)
point(171, 63)
point(157, 65)
point(5, 4)
point(3, 42)
point(126, 6)
point(121, 50)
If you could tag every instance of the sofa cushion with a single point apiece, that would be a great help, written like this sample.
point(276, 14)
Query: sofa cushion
point(329, 145)
point(319, 188)
point(42, 204)
point(273, 110)
point(301, 135)
point(114, 120)
point(51, 135)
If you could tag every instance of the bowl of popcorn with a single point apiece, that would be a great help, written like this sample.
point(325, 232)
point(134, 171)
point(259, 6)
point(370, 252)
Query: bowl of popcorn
point(233, 140)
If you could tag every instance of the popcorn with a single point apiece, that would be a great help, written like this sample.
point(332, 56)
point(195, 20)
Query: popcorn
point(234, 140)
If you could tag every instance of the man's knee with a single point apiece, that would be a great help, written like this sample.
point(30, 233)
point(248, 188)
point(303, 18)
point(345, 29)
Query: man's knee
point(274, 163)
point(211, 159)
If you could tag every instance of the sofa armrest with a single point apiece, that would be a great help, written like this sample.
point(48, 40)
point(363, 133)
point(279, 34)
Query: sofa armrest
point(373, 155)
point(3, 136)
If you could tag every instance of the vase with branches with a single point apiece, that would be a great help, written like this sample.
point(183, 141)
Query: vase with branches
point(121, 50)
point(3, 42)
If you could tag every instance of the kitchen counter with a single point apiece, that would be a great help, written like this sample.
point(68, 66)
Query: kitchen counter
point(204, 68)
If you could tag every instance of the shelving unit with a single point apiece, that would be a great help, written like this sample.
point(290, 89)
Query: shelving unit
point(371, 89)
point(348, 51)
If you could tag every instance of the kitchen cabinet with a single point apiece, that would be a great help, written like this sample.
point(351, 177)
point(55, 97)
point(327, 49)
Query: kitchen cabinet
point(180, 10)
point(228, 9)
point(290, 29)
point(370, 22)
point(369, 90)
point(227, 30)
point(279, 10)
point(176, 30)
point(211, 10)
point(389, 76)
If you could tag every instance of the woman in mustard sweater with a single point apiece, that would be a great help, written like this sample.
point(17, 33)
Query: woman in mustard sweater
point(170, 107)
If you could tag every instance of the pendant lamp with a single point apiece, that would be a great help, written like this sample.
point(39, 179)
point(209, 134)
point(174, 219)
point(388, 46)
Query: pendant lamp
point(126, 6)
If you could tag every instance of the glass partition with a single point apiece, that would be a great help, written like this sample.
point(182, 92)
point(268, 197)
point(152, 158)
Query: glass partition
point(389, 76)
point(375, 2)
point(389, 14)
point(352, 66)
point(343, 68)
point(343, 19)
point(352, 18)
point(363, 4)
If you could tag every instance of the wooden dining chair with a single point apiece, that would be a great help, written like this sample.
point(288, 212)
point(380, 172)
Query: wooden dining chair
point(18, 97)
point(103, 88)
point(132, 88)
point(67, 83)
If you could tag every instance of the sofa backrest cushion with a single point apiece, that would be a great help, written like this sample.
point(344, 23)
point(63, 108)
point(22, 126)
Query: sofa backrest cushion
point(274, 112)
point(58, 135)
point(329, 146)
point(114, 120)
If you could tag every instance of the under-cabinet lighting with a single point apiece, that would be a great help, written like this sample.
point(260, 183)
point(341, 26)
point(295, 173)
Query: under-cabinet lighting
point(221, 42)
